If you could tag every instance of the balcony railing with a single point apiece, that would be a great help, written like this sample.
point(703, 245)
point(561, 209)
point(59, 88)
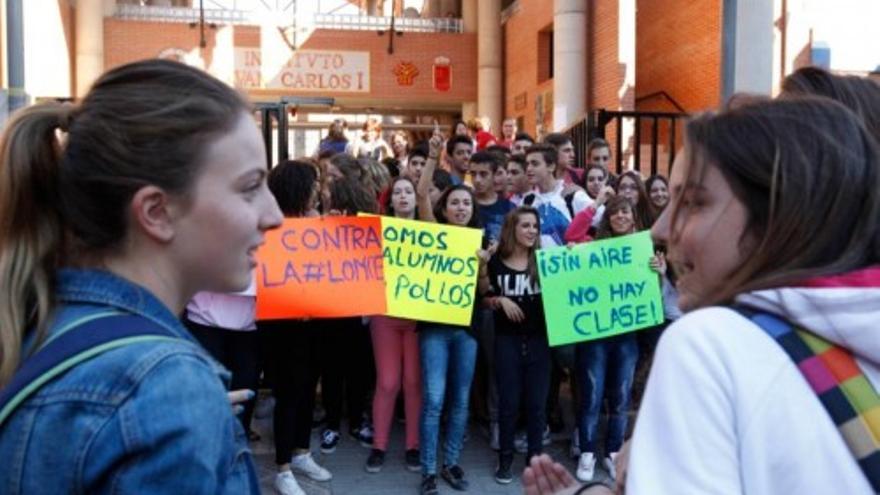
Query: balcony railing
point(255, 17)
point(181, 14)
point(371, 23)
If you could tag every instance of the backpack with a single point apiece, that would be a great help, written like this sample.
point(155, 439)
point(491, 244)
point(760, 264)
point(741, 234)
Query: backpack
point(529, 199)
point(74, 346)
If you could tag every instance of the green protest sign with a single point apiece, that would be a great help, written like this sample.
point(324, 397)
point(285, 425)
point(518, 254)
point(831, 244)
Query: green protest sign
point(599, 289)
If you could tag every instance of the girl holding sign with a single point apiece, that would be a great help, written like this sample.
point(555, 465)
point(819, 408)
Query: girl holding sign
point(522, 354)
point(448, 353)
point(396, 350)
point(293, 348)
point(607, 365)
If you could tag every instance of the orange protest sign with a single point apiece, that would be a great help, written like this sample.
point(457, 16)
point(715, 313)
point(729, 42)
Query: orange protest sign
point(321, 267)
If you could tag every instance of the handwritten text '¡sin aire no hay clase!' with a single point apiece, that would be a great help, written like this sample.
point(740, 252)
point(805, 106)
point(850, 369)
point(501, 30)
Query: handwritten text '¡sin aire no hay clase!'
point(621, 314)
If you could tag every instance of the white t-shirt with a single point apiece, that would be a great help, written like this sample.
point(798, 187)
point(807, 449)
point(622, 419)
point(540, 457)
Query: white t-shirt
point(727, 412)
point(554, 212)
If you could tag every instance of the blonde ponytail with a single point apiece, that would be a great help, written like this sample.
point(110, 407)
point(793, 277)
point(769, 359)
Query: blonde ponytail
point(30, 226)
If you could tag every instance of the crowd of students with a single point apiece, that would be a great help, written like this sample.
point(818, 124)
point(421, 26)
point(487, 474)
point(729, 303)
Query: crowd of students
point(521, 202)
point(130, 278)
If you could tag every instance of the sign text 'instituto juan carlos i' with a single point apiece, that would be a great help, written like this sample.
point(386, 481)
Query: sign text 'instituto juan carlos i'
point(333, 71)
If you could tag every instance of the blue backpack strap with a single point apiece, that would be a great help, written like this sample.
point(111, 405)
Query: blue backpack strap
point(80, 343)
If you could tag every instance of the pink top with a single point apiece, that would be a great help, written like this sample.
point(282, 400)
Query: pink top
point(580, 226)
point(231, 311)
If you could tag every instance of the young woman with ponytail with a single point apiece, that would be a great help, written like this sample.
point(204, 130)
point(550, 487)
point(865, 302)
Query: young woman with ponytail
point(113, 214)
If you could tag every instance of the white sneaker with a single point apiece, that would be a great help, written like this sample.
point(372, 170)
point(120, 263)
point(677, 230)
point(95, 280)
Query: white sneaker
point(586, 467)
point(305, 464)
point(285, 484)
point(609, 464)
point(494, 437)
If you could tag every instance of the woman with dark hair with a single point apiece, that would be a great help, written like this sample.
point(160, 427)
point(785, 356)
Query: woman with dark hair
point(448, 352)
point(293, 347)
point(400, 147)
point(114, 212)
point(606, 367)
point(657, 188)
point(630, 186)
point(522, 353)
point(396, 352)
point(741, 231)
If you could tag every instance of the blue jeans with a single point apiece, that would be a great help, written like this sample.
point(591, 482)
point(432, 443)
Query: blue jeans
point(605, 365)
point(447, 354)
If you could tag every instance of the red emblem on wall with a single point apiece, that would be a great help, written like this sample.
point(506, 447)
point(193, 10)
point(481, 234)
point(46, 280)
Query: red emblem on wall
point(442, 74)
point(406, 73)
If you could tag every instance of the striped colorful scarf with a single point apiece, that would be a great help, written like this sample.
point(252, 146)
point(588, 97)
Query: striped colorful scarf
point(842, 388)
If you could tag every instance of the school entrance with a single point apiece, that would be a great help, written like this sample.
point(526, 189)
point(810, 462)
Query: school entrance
point(294, 126)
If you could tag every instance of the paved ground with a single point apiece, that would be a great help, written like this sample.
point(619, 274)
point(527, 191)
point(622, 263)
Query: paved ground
point(349, 476)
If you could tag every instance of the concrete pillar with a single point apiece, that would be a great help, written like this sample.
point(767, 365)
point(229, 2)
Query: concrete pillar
point(490, 74)
point(469, 15)
point(89, 43)
point(14, 44)
point(569, 62)
point(747, 51)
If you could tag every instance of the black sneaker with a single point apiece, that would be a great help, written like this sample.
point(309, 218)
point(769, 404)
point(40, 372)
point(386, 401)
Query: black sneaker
point(503, 474)
point(375, 461)
point(363, 434)
point(429, 485)
point(454, 475)
point(329, 441)
point(412, 460)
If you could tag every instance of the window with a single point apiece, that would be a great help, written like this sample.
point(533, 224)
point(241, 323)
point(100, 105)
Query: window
point(545, 54)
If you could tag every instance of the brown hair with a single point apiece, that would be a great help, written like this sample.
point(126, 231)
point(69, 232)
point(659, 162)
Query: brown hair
point(146, 123)
point(808, 179)
point(507, 238)
point(548, 153)
point(612, 206)
point(859, 94)
point(642, 209)
point(372, 125)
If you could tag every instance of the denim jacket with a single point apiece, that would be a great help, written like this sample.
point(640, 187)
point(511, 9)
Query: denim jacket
point(150, 417)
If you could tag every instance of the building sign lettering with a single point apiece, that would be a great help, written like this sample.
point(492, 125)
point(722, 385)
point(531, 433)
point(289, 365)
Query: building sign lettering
point(306, 71)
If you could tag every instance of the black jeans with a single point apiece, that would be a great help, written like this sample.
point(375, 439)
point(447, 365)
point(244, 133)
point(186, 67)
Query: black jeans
point(522, 367)
point(239, 352)
point(347, 369)
point(292, 358)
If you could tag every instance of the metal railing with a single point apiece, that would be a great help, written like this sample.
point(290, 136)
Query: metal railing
point(594, 125)
point(181, 14)
point(376, 23)
point(255, 17)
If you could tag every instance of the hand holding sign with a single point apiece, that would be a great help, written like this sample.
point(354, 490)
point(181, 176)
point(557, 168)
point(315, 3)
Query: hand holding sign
point(599, 289)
